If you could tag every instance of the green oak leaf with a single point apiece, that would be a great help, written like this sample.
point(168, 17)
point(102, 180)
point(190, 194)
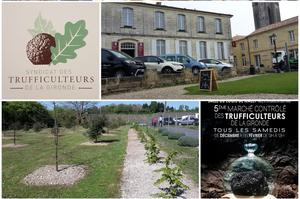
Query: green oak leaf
point(42, 26)
point(67, 44)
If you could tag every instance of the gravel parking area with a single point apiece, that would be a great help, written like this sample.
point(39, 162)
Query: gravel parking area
point(47, 175)
point(138, 176)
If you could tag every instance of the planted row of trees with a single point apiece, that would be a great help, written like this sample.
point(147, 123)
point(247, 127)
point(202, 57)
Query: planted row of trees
point(170, 173)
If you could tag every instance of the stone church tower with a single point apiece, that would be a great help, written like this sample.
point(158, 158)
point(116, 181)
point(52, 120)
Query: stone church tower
point(265, 13)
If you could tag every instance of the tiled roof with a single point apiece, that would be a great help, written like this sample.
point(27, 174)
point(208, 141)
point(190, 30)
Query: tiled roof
point(275, 25)
point(238, 37)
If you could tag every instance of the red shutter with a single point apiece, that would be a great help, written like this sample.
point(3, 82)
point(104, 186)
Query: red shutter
point(233, 44)
point(140, 49)
point(115, 45)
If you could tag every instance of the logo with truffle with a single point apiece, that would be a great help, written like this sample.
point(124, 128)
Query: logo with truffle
point(49, 47)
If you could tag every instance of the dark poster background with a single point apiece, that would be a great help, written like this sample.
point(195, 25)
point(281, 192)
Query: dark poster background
point(279, 145)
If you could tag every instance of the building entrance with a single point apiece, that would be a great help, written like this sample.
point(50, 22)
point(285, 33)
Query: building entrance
point(128, 48)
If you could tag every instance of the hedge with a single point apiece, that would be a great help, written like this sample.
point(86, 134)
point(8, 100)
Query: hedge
point(164, 132)
point(188, 141)
point(175, 135)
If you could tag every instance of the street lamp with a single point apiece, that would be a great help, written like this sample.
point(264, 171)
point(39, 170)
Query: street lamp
point(273, 38)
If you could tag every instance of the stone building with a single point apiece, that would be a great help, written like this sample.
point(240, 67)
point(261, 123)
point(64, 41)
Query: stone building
point(153, 29)
point(257, 48)
point(265, 13)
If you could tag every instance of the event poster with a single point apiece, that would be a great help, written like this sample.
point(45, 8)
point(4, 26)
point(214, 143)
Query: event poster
point(249, 149)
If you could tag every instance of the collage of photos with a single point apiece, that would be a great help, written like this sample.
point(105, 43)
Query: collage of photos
point(187, 99)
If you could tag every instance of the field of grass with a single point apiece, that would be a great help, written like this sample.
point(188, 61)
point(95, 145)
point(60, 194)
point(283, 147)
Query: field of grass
point(104, 164)
point(187, 158)
point(277, 83)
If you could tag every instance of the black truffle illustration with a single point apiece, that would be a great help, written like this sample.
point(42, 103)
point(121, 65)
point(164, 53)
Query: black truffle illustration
point(38, 49)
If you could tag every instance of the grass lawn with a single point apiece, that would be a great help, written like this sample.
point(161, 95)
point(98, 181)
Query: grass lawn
point(187, 158)
point(104, 164)
point(275, 83)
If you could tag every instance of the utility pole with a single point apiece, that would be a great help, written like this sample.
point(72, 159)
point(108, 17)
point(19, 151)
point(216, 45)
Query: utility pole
point(56, 136)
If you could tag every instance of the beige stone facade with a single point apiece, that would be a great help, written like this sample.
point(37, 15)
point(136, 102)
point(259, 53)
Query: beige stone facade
point(256, 49)
point(144, 35)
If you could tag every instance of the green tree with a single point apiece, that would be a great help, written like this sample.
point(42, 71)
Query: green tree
point(26, 114)
point(65, 116)
point(96, 127)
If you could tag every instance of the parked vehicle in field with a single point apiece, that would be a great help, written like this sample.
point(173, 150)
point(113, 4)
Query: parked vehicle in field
point(188, 120)
point(161, 65)
point(118, 64)
point(282, 61)
point(219, 65)
point(169, 121)
point(186, 60)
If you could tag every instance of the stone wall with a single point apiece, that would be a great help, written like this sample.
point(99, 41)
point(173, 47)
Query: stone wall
point(154, 79)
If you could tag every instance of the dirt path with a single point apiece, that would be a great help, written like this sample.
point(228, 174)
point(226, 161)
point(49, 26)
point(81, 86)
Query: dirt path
point(178, 92)
point(138, 176)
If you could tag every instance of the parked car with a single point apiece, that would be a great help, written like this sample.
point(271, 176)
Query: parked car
point(186, 60)
point(118, 64)
point(219, 65)
point(161, 65)
point(188, 120)
point(282, 61)
point(169, 121)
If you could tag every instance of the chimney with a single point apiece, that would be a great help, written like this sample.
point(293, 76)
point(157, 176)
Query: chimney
point(158, 3)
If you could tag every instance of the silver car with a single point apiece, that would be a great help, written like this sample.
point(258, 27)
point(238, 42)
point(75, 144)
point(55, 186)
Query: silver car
point(161, 65)
point(219, 65)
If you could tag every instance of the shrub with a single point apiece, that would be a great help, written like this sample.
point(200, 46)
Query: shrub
point(117, 122)
point(96, 128)
point(160, 131)
point(152, 150)
point(164, 132)
point(175, 136)
point(37, 126)
point(188, 141)
point(53, 130)
point(142, 136)
point(172, 176)
point(26, 127)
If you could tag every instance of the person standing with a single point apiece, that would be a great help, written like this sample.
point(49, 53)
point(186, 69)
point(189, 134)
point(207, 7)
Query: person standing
point(160, 120)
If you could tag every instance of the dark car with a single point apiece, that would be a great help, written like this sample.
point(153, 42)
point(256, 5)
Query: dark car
point(169, 121)
point(118, 64)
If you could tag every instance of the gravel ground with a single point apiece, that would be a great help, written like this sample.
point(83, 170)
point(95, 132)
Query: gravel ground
point(13, 145)
point(186, 131)
point(178, 92)
point(47, 175)
point(7, 138)
point(94, 144)
point(109, 135)
point(138, 176)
